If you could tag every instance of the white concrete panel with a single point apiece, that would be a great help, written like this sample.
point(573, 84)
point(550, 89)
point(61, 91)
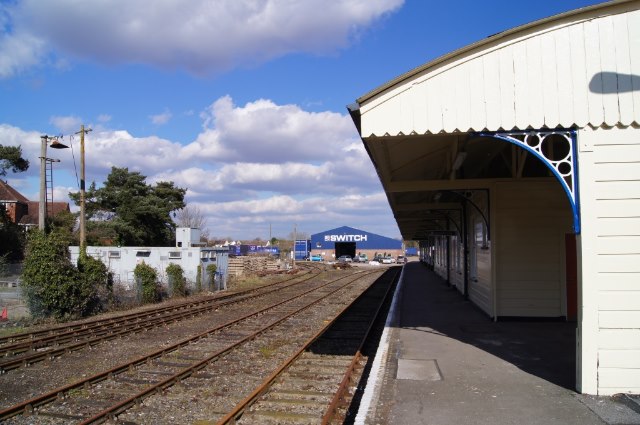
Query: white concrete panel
point(619, 319)
point(549, 80)
point(594, 73)
point(534, 83)
point(478, 117)
point(609, 70)
point(628, 359)
point(491, 71)
point(562, 39)
point(579, 75)
point(623, 66)
point(507, 88)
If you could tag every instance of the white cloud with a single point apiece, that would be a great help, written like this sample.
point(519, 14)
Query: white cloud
point(262, 131)
point(66, 124)
point(104, 118)
point(162, 118)
point(251, 165)
point(203, 37)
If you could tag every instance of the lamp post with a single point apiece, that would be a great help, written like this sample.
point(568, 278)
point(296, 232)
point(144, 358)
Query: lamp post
point(42, 207)
point(83, 220)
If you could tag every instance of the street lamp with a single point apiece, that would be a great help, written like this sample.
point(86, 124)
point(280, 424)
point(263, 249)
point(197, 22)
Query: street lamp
point(43, 181)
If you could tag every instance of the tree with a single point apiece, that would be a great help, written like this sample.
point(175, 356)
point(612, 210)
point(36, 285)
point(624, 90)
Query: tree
point(11, 158)
point(11, 235)
point(11, 238)
point(191, 216)
point(137, 213)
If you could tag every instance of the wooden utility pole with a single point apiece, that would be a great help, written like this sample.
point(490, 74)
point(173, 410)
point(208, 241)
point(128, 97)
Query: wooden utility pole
point(83, 221)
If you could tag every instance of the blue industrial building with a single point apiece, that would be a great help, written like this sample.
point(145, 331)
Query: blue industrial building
point(345, 240)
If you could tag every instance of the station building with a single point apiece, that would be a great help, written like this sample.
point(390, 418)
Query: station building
point(515, 162)
point(345, 240)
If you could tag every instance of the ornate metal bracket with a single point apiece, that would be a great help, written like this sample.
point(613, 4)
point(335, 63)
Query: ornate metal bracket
point(562, 162)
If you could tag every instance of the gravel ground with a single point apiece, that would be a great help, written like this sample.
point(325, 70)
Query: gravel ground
point(204, 396)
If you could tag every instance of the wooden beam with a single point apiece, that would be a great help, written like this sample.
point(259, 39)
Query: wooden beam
point(435, 185)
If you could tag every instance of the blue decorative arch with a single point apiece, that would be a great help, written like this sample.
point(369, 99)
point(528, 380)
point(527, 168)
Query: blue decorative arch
point(564, 169)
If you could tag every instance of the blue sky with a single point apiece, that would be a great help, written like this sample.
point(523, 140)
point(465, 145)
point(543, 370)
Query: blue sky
point(241, 102)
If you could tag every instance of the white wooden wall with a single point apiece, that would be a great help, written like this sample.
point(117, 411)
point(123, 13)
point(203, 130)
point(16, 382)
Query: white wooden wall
point(610, 263)
point(578, 72)
point(532, 219)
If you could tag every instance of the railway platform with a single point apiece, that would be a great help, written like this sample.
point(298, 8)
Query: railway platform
point(443, 361)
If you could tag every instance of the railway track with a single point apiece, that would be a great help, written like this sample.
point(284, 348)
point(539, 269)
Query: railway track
point(27, 348)
point(317, 384)
point(110, 393)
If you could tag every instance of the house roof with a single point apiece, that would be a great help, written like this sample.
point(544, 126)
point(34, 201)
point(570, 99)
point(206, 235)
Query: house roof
point(8, 193)
point(34, 212)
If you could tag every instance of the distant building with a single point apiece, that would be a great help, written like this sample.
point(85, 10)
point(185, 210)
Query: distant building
point(345, 240)
point(189, 253)
point(23, 211)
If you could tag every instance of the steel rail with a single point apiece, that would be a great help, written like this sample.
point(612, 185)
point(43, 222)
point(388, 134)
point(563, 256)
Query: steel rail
point(240, 408)
point(340, 395)
point(28, 405)
point(70, 328)
point(94, 336)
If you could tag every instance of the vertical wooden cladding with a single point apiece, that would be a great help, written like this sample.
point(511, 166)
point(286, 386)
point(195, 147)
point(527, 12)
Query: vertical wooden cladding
point(585, 72)
point(532, 219)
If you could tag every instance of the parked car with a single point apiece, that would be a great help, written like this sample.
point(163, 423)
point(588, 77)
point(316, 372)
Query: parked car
point(316, 257)
point(344, 259)
point(360, 258)
point(387, 260)
point(401, 259)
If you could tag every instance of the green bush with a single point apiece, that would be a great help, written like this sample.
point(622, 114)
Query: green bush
point(199, 279)
point(95, 274)
point(51, 285)
point(176, 280)
point(148, 278)
point(211, 272)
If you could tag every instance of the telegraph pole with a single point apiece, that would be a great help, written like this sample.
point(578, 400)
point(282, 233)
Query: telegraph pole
point(83, 223)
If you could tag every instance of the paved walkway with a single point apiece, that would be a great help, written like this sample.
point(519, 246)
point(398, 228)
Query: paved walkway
point(446, 362)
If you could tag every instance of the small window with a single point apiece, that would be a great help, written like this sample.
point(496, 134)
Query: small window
point(175, 254)
point(114, 254)
point(143, 253)
point(179, 244)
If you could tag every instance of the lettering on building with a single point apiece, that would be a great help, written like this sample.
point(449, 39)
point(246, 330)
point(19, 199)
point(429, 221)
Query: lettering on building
point(345, 238)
